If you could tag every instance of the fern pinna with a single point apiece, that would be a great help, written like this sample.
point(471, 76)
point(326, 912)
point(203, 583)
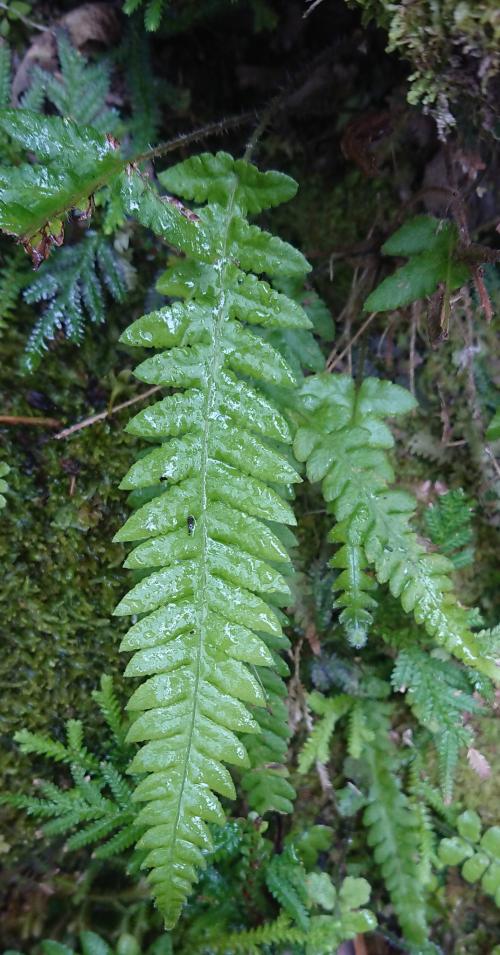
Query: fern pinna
point(345, 443)
point(213, 528)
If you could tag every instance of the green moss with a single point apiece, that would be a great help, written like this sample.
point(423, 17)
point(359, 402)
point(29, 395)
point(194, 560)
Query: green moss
point(453, 49)
point(62, 574)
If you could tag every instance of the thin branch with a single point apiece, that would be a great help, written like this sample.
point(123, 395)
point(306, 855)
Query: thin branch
point(183, 139)
point(334, 360)
point(24, 420)
point(26, 20)
point(87, 422)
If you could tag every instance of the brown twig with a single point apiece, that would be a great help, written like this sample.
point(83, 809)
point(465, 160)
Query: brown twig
point(66, 432)
point(333, 359)
point(24, 420)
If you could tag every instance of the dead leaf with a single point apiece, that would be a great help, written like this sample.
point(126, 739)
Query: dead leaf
point(313, 639)
point(479, 763)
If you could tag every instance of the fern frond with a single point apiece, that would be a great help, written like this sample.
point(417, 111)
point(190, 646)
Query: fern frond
point(79, 91)
point(393, 828)
point(72, 284)
point(317, 746)
point(211, 532)
point(280, 932)
point(72, 163)
point(152, 13)
point(345, 445)
point(448, 523)
point(111, 710)
point(440, 694)
point(99, 803)
point(286, 880)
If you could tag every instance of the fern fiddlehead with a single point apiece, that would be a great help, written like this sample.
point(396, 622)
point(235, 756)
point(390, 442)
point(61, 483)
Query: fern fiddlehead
point(212, 532)
point(344, 443)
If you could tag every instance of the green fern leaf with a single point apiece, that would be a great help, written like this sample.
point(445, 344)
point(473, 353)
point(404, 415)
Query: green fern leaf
point(286, 880)
point(205, 611)
point(317, 745)
point(448, 523)
point(79, 91)
point(440, 695)
point(392, 829)
point(72, 285)
point(73, 162)
point(345, 445)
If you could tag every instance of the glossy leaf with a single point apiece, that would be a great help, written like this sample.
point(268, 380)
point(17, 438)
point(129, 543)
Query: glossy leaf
point(212, 563)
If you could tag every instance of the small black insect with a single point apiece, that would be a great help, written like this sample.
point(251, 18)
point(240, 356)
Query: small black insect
point(191, 523)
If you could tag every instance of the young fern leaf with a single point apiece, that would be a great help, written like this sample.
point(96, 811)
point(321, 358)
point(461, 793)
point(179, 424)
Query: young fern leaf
point(79, 91)
point(448, 523)
point(345, 443)
point(72, 287)
point(209, 545)
point(286, 881)
point(440, 695)
point(393, 829)
point(98, 807)
point(317, 746)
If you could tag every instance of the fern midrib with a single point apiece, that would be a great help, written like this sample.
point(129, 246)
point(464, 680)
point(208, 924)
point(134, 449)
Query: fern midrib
point(209, 404)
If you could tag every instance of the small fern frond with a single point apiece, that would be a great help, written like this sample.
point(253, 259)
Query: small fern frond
point(152, 13)
point(214, 562)
point(79, 91)
point(286, 881)
point(42, 746)
point(393, 828)
point(254, 941)
point(448, 523)
point(111, 710)
point(317, 746)
point(345, 444)
point(440, 695)
point(72, 284)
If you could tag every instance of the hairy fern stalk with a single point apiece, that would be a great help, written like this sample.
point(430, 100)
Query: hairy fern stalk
point(211, 553)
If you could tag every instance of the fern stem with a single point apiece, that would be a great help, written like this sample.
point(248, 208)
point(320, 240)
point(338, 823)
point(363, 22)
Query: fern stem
point(185, 139)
